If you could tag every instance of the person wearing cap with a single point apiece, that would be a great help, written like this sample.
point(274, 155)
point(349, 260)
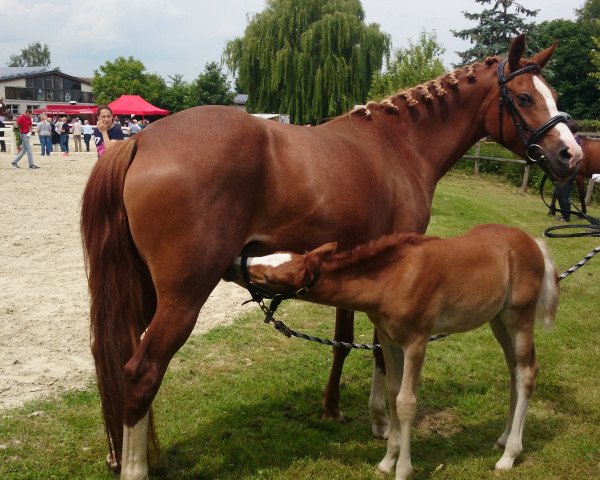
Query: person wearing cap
point(562, 192)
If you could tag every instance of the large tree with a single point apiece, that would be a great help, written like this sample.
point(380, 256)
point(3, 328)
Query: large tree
point(126, 76)
point(569, 71)
point(211, 87)
point(309, 58)
point(176, 96)
point(33, 55)
point(496, 27)
point(410, 66)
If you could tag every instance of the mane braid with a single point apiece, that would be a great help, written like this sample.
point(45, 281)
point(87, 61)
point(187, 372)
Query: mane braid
point(424, 92)
point(373, 249)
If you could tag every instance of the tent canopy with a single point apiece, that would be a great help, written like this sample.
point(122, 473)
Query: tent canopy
point(64, 109)
point(135, 105)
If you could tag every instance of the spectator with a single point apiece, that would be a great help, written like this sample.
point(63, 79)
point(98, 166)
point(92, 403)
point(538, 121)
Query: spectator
point(134, 127)
point(24, 122)
point(77, 130)
point(57, 130)
point(107, 131)
point(44, 131)
point(562, 192)
point(64, 137)
point(87, 134)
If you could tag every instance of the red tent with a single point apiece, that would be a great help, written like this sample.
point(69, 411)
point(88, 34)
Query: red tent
point(66, 109)
point(135, 105)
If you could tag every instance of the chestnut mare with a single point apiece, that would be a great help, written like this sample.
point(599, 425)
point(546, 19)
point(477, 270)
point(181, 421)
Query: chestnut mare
point(412, 287)
point(590, 164)
point(165, 213)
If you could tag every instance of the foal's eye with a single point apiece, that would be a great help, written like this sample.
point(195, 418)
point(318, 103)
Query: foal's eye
point(524, 99)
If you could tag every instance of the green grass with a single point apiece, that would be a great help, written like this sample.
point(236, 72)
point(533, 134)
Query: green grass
point(243, 402)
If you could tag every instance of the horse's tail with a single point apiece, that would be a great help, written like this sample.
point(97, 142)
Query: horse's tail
point(122, 299)
point(548, 299)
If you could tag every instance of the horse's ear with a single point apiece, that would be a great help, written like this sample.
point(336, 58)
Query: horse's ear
point(517, 49)
point(544, 56)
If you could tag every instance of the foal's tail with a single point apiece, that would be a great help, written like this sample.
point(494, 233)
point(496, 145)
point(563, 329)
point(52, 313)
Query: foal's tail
point(548, 300)
point(122, 299)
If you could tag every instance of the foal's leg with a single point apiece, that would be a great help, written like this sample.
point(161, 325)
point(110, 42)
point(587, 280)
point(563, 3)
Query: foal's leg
point(403, 370)
point(526, 372)
point(344, 332)
point(380, 422)
point(506, 342)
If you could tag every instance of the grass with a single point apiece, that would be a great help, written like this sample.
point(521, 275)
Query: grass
point(243, 402)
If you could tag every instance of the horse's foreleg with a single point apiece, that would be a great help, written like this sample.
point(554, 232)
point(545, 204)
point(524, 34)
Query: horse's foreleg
point(526, 372)
point(168, 331)
point(344, 332)
point(380, 422)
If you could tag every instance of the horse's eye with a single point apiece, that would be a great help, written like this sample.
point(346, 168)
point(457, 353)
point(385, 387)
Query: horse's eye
point(524, 99)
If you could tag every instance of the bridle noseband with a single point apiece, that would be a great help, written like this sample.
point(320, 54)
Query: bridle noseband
point(530, 136)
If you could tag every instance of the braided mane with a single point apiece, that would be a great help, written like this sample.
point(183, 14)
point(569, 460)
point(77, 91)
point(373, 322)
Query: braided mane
point(424, 92)
point(369, 251)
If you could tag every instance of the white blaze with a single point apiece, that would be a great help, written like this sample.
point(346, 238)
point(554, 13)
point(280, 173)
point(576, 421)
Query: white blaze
point(565, 134)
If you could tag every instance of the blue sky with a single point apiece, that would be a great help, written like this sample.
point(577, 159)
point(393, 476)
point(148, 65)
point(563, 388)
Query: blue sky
point(171, 36)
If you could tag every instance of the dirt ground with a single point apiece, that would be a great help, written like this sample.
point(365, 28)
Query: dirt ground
point(44, 330)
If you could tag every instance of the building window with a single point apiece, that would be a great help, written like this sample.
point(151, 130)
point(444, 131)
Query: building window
point(14, 109)
point(32, 107)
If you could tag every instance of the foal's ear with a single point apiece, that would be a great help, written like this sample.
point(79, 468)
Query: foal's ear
point(517, 48)
point(544, 56)
point(325, 250)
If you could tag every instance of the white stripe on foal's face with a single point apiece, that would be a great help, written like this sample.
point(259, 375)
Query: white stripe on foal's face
point(273, 260)
point(565, 134)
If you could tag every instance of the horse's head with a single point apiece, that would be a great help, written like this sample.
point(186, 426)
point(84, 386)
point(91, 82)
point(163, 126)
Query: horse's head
point(524, 116)
point(281, 272)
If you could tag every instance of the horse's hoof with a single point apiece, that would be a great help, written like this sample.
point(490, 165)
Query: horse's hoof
point(334, 417)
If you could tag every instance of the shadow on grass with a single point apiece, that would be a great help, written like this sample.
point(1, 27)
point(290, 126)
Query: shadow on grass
point(282, 437)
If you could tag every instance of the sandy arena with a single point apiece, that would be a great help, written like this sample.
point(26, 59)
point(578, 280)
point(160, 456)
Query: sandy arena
point(44, 330)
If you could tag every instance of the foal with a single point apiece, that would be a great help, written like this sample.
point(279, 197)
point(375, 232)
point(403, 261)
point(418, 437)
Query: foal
point(411, 287)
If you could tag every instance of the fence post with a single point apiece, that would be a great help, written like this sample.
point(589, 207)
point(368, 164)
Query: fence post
point(477, 153)
point(590, 190)
point(525, 179)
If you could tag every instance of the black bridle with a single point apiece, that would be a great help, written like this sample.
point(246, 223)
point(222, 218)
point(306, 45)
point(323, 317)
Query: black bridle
point(530, 136)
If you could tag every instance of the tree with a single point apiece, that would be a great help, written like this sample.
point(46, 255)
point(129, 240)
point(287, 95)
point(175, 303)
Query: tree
point(33, 55)
point(210, 88)
point(497, 26)
point(176, 95)
point(126, 76)
point(569, 71)
point(410, 66)
point(309, 58)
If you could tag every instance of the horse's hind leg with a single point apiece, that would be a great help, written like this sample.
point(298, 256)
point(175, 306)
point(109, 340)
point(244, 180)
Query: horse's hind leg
point(525, 375)
point(172, 324)
point(344, 332)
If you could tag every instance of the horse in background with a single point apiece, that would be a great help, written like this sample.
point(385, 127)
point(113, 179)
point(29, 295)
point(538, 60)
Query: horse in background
point(165, 213)
point(412, 287)
point(590, 164)
point(5, 111)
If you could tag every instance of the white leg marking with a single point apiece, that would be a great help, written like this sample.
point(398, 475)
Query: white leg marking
point(273, 260)
point(380, 422)
point(134, 465)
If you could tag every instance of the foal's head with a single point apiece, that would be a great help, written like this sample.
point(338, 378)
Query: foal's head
point(282, 272)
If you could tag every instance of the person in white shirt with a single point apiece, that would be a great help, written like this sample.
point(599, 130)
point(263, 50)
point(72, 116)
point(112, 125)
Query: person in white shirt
point(87, 131)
